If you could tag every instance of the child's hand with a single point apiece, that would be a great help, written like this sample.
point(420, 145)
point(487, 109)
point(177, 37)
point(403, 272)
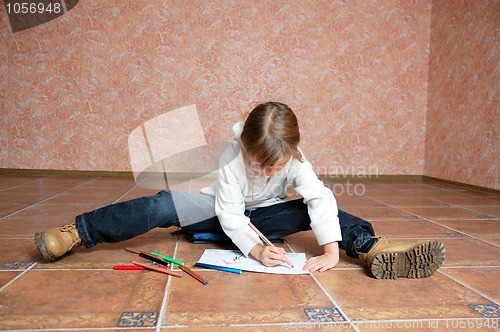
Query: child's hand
point(321, 263)
point(269, 256)
point(324, 262)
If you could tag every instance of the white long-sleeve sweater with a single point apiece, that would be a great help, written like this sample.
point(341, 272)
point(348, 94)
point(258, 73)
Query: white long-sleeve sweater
point(233, 194)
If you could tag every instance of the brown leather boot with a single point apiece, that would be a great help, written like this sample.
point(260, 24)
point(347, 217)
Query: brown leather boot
point(412, 259)
point(55, 242)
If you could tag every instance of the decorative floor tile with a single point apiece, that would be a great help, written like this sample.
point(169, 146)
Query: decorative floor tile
point(487, 310)
point(138, 319)
point(15, 265)
point(324, 315)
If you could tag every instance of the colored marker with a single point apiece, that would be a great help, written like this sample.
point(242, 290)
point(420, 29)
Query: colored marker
point(128, 267)
point(162, 259)
point(220, 268)
point(168, 259)
point(182, 266)
point(155, 257)
point(193, 274)
point(133, 267)
point(159, 269)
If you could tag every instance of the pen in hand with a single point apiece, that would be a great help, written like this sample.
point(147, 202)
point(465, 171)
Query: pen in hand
point(269, 243)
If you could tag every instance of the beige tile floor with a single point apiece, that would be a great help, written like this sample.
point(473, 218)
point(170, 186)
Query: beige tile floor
point(83, 292)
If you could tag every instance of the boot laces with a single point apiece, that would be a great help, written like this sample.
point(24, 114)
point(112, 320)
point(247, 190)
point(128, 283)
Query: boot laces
point(73, 233)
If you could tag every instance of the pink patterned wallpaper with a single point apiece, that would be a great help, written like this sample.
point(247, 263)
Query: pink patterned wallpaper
point(355, 72)
point(463, 114)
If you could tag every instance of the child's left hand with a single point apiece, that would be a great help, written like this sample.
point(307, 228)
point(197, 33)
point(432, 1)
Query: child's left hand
point(324, 262)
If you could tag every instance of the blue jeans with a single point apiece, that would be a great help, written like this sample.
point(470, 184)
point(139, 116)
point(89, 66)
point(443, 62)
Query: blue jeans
point(195, 212)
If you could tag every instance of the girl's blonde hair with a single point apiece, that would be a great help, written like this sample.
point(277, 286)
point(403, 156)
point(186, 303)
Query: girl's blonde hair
point(271, 135)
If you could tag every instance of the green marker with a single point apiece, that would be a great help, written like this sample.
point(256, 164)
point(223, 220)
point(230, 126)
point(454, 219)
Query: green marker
point(168, 259)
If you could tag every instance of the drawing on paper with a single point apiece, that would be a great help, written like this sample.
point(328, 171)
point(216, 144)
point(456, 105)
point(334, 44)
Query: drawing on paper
point(235, 259)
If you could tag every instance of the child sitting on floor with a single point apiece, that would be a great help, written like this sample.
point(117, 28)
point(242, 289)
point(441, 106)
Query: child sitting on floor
point(256, 172)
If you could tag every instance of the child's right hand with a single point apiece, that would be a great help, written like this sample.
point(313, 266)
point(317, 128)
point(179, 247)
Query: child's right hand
point(267, 255)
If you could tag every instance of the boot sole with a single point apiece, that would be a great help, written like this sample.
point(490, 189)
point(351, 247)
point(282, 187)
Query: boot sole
point(420, 261)
point(40, 244)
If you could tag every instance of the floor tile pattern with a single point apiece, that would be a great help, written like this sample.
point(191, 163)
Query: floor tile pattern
point(487, 310)
point(15, 265)
point(324, 315)
point(83, 292)
point(138, 319)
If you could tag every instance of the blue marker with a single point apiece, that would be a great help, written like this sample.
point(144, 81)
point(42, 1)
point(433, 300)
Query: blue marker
point(220, 268)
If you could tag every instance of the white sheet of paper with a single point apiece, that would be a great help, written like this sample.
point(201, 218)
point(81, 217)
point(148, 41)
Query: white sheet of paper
point(236, 260)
